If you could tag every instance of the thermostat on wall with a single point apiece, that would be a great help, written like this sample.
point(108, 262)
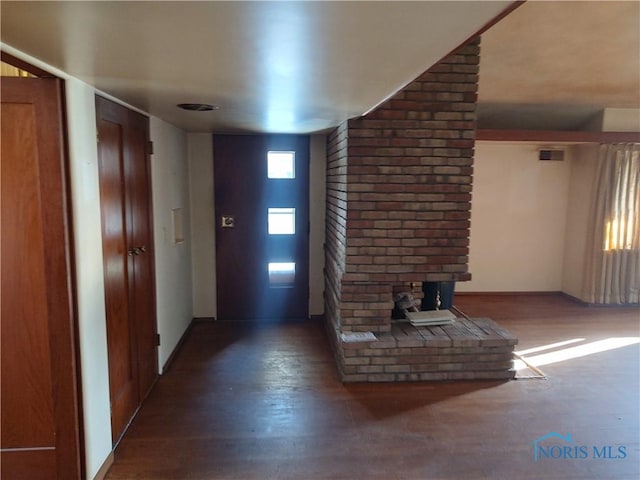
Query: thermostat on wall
point(551, 154)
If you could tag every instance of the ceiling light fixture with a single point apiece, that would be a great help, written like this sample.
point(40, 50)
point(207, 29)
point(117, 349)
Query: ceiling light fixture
point(198, 107)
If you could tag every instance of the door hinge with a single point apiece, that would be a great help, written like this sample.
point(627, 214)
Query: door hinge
point(157, 339)
point(97, 138)
point(150, 147)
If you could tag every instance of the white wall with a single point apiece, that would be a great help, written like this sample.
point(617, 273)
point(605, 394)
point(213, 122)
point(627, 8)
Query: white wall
point(518, 215)
point(583, 171)
point(203, 227)
point(173, 290)
point(85, 199)
point(170, 180)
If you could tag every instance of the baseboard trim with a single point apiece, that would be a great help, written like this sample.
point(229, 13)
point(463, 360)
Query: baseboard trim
point(550, 293)
point(574, 299)
point(204, 319)
point(600, 305)
point(104, 469)
point(527, 293)
point(185, 334)
point(612, 305)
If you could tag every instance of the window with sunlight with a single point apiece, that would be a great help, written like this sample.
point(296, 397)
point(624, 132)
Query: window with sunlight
point(619, 232)
point(622, 224)
point(612, 256)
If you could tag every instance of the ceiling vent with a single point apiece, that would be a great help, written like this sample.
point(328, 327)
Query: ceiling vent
point(198, 107)
point(554, 155)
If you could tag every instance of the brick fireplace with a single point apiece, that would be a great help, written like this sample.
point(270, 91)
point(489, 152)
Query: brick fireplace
point(398, 213)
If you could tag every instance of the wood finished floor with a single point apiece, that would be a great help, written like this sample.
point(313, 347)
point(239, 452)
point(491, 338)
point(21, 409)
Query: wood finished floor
point(245, 401)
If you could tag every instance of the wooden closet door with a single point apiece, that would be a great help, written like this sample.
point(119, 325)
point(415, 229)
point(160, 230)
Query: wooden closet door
point(128, 258)
point(142, 279)
point(123, 381)
point(40, 437)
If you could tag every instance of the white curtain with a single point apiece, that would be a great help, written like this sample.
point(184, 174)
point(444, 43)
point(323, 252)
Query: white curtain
point(613, 247)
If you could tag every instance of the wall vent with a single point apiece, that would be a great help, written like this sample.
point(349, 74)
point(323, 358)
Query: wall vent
point(546, 154)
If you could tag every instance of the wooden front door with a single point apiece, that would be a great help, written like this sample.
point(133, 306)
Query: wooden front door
point(262, 226)
point(40, 438)
point(128, 258)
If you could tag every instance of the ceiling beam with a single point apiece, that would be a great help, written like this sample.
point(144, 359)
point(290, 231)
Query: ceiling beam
point(556, 136)
point(22, 65)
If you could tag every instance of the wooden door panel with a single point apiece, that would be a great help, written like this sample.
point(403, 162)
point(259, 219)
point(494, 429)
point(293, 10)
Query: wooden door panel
point(30, 464)
point(237, 193)
point(244, 191)
point(27, 413)
point(120, 344)
point(140, 231)
point(40, 437)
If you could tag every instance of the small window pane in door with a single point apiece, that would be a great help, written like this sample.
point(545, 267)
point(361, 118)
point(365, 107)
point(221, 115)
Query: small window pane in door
point(282, 221)
point(282, 274)
point(281, 164)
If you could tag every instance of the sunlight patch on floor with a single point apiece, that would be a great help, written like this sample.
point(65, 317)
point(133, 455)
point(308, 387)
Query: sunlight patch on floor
point(550, 346)
point(571, 352)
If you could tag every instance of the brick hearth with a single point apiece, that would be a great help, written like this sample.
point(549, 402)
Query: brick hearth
point(468, 349)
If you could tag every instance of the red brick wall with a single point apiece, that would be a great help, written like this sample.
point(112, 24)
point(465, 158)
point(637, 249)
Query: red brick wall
point(406, 169)
point(336, 223)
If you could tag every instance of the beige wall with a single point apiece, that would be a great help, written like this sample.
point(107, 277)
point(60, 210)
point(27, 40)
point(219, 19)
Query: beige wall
point(202, 225)
point(317, 181)
point(583, 170)
point(518, 217)
point(621, 120)
point(203, 228)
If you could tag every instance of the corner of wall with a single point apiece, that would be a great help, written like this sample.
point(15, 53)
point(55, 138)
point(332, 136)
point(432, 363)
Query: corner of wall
point(583, 171)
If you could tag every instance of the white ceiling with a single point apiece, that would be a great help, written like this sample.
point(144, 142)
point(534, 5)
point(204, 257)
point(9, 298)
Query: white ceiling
point(305, 66)
point(270, 66)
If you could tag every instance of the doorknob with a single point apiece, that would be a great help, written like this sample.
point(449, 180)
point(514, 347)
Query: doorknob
point(228, 222)
point(136, 250)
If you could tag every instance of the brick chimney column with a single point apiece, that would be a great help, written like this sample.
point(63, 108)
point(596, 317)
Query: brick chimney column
point(399, 194)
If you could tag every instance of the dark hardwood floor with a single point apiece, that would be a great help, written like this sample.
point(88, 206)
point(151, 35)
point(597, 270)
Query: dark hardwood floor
point(247, 401)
